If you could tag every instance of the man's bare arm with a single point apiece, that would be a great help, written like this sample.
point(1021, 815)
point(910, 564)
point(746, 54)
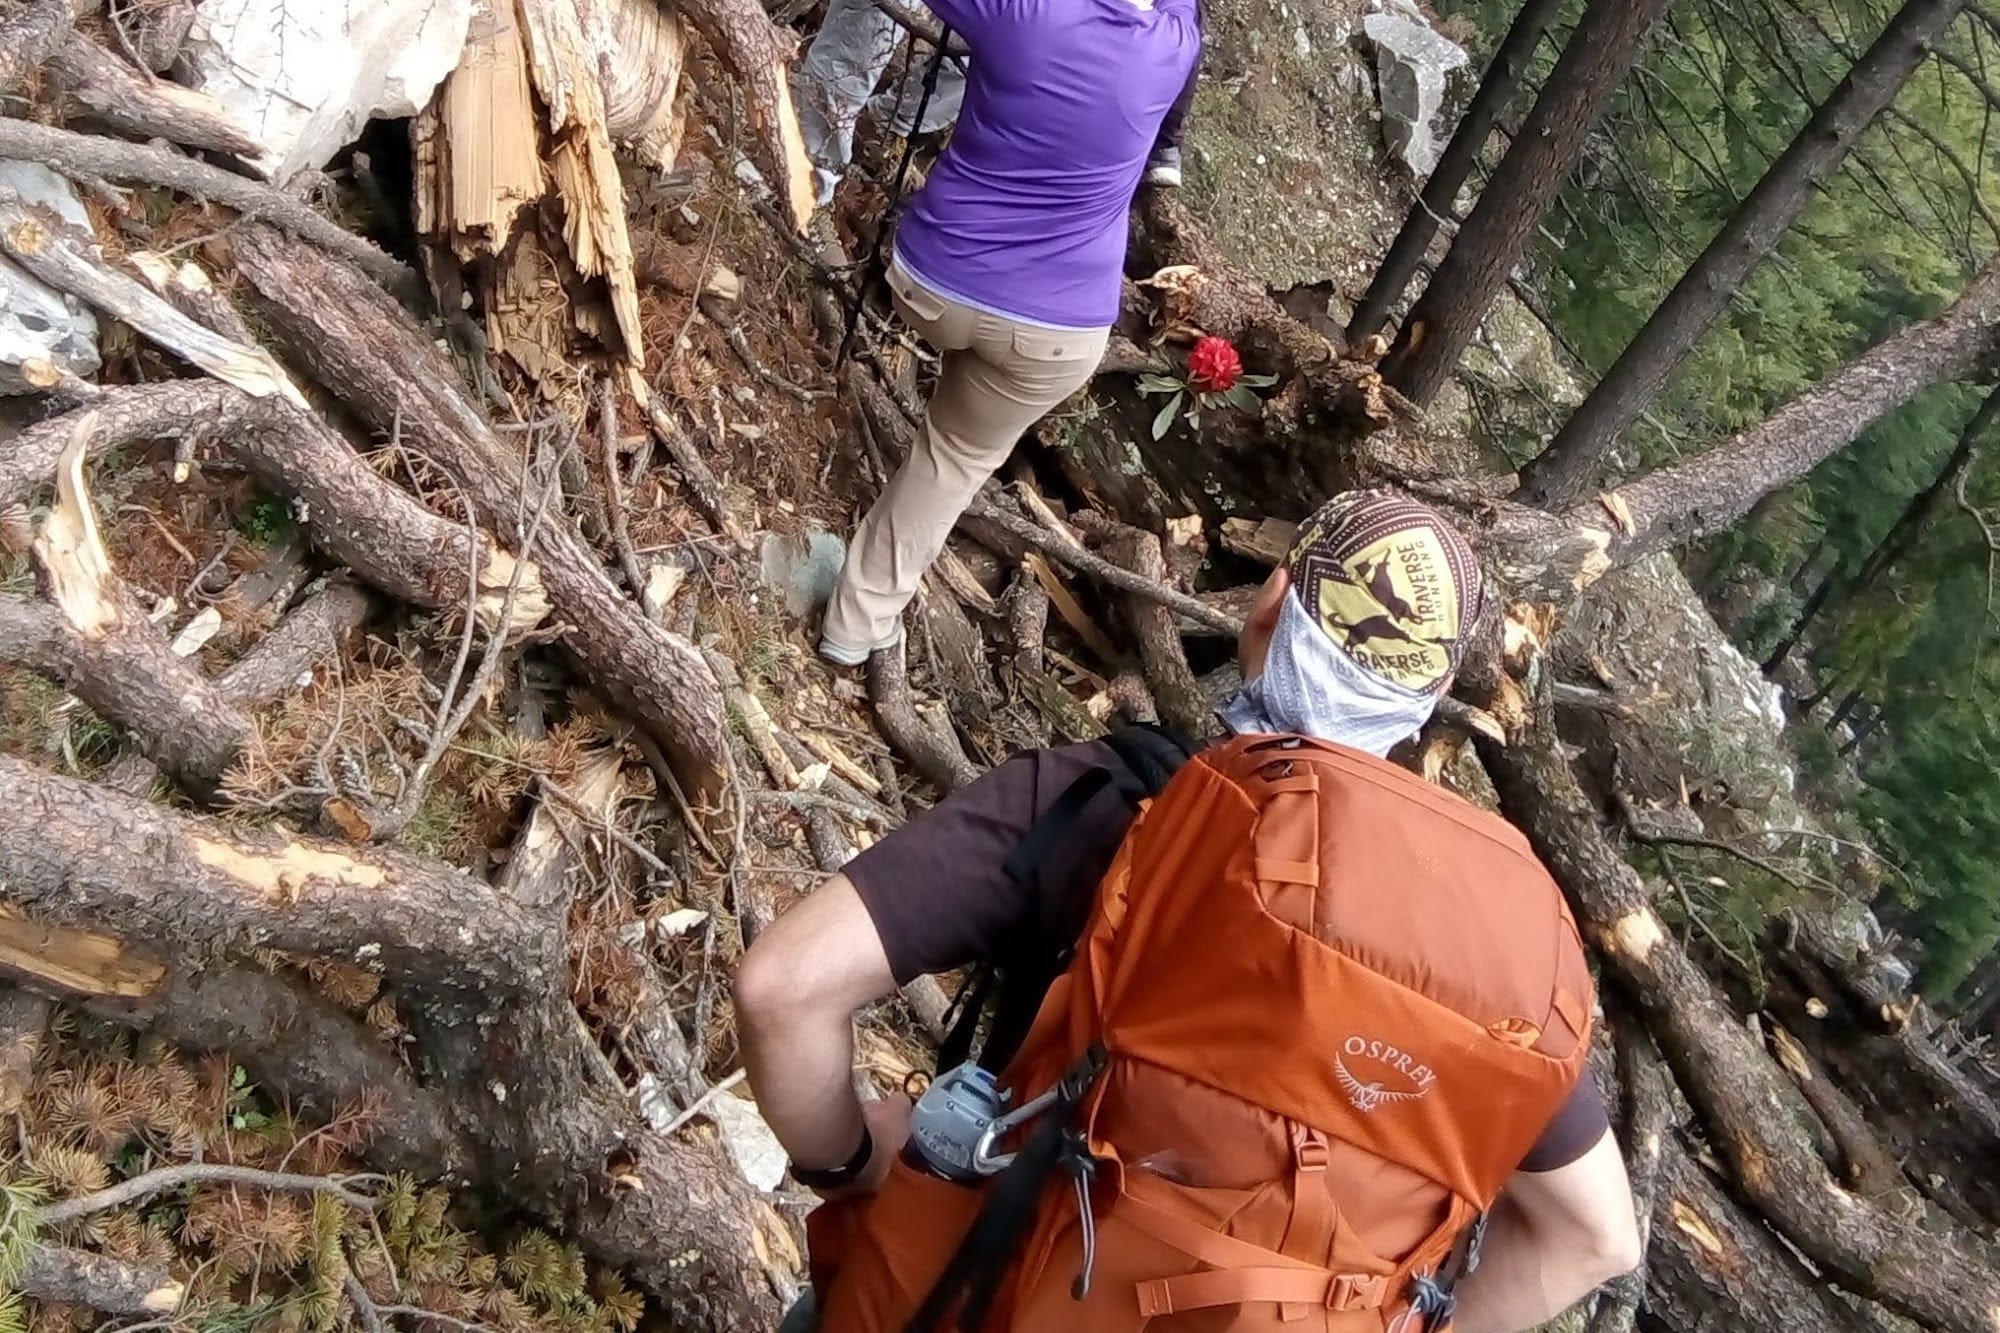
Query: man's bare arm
point(796, 994)
point(1553, 1238)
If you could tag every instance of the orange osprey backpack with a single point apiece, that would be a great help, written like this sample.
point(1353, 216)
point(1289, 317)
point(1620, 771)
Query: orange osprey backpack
point(1320, 1012)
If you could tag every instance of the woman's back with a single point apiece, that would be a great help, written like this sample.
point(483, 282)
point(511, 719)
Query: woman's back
point(1025, 212)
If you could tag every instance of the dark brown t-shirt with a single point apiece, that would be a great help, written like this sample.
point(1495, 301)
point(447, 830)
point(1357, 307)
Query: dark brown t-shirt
point(940, 898)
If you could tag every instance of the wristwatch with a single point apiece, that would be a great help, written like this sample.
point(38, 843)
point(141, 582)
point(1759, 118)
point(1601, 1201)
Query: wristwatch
point(838, 1177)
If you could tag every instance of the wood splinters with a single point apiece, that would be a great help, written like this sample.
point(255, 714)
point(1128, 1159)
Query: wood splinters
point(1621, 512)
point(1696, 1228)
point(69, 549)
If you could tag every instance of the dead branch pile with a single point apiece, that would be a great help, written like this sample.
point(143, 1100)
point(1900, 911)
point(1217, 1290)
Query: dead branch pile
point(405, 692)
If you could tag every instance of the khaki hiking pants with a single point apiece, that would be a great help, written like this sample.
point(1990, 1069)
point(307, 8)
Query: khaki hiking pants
point(999, 377)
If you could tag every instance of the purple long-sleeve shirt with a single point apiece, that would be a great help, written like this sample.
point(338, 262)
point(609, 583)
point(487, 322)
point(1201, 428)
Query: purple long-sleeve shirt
point(1025, 212)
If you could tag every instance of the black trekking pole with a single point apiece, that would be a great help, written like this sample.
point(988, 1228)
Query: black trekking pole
point(873, 270)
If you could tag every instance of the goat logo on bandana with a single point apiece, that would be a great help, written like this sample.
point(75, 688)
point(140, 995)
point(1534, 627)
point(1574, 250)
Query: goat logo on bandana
point(1389, 599)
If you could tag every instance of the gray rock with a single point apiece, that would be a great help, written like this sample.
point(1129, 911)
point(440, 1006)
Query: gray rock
point(801, 569)
point(36, 323)
point(1411, 62)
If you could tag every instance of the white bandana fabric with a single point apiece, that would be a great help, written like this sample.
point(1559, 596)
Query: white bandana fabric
point(1310, 687)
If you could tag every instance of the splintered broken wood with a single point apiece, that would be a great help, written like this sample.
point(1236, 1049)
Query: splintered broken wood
point(77, 961)
point(1065, 604)
point(67, 259)
point(563, 64)
point(102, 646)
point(478, 144)
point(1268, 540)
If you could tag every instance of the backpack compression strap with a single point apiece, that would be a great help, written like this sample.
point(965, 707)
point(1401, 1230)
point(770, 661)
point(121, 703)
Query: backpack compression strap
point(1014, 983)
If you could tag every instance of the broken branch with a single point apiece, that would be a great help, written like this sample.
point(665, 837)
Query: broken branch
point(1073, 555)
point(86, 158)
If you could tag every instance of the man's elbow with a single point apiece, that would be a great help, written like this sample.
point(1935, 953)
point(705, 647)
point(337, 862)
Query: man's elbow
point(1616, 1251)
point(765, 991)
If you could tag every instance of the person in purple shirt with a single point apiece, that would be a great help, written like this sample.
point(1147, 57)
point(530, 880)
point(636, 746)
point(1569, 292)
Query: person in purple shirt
point(1010, 260)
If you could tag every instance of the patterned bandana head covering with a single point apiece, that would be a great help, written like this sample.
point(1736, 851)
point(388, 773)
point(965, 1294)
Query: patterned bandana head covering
point(1384, 591)
point(1391, 583)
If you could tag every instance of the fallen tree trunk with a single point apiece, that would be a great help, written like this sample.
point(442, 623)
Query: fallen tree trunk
point(1712, 1268)
point(480, 984)
point(1940, 1125)
point(366, 351)
point(1740, 1094)
point(78, 856)
point(1547, 558)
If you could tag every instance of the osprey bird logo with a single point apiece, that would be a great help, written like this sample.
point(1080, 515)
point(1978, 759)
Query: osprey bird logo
point(1371, 1095)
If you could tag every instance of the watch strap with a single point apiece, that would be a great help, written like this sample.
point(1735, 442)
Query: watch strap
point(838, 1177)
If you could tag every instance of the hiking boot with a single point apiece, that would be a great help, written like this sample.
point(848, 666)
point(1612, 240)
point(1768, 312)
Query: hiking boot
point(841, 655)
point(1163, 168)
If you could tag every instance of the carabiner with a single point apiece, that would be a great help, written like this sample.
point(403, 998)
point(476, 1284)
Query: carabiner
point(990, 1163)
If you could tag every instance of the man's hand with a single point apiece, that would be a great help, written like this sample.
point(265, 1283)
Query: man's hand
point(889, 1125)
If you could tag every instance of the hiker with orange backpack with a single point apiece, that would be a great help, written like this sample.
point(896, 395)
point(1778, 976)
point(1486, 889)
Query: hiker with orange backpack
point(1271, 1036)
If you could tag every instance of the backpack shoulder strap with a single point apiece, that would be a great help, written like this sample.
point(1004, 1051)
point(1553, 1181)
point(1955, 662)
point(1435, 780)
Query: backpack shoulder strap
point(1013, 984)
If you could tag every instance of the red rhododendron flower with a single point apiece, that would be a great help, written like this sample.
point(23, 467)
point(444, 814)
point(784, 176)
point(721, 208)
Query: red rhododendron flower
point(1213, 365)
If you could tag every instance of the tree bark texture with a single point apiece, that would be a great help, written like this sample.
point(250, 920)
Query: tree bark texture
point(78, 1277)
point(1714, 1268)
point(367, 352)
point(1439, 199)
point(1938, 1121)
point(1183, 705)
point(1563, 470)
point(30, 35)
point(286, 656)
point(1742, 1098)
point(125, 670)
point(98, 86)
point(1441, 325)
